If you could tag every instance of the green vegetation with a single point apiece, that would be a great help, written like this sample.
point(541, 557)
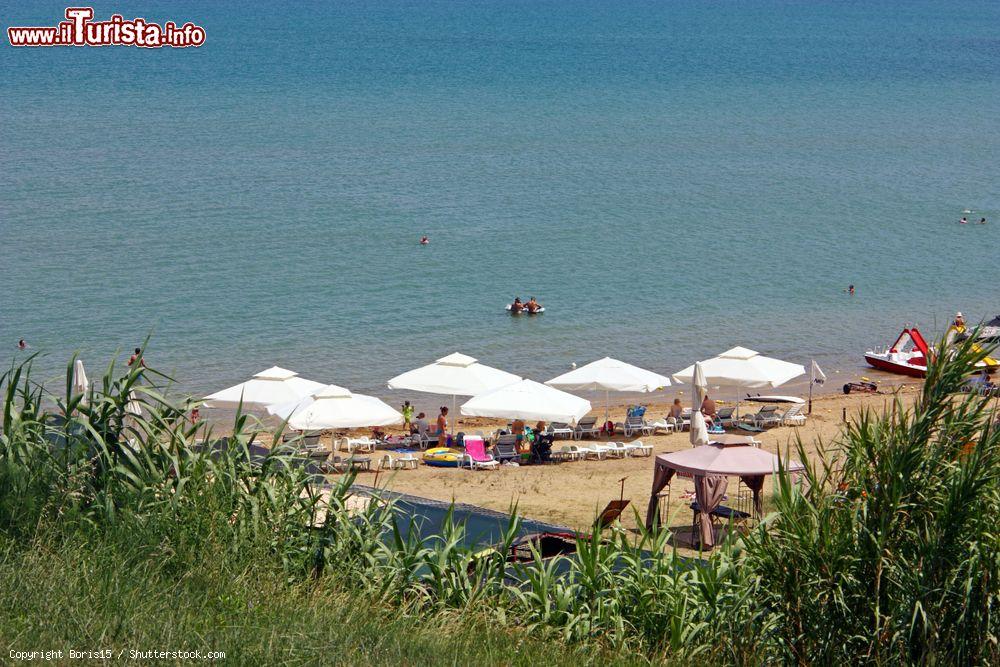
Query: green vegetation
point(116, 532)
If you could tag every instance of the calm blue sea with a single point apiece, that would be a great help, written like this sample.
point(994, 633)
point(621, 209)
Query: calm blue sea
point(669, 178)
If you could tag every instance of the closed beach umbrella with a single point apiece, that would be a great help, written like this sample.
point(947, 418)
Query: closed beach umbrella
point(271, 387)
point(335, 407)
point(699, 432)
point(454, 375)
point(745, 369)
point(528, 400)
point(80, 384)
point(609, 375)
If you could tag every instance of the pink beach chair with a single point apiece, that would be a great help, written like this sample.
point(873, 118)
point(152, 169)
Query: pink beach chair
point(475, 452)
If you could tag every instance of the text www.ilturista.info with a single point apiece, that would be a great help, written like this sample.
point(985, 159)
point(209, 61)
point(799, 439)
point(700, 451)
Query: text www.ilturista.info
point(80, 30)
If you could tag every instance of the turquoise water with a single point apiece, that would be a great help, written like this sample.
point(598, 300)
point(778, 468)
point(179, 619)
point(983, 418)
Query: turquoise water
point(669, 179)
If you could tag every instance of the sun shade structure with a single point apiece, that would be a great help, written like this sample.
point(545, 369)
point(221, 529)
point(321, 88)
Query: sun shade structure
point(740, 367)
point(455, 375)
point(528, 400)
point(711, 465)
point(79, 384)
point(698, 430)
point(744, 369)
point(271, 387)
point(335, 407)
point(609, 375)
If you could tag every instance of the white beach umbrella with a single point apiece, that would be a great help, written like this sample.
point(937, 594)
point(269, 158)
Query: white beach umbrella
point(80, 384)
point(335, 407)
point(610, 375)
point(699, 432)
point(744, 369)
point(454, 375)
point(271, 387)
point(528, 400)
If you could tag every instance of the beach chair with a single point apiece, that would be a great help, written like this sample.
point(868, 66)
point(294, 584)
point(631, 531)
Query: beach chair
point(593, 451)
point(505, 448)
point(635, 424)
point(638, 448)
point(476, 456)
point(724, 417)
point(400, 461)
point(340, 464)
point(364, 444)
point(586, 426)
point(618, 450)
point(568, 453)
point(766, 415)
point(793, 415)
point(663, 425)
point(560, 430)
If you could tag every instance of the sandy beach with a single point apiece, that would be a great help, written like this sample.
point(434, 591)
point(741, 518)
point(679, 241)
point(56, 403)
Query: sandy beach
point(572, 493)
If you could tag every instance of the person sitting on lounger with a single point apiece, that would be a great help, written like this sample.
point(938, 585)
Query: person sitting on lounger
point(517, 306)
point(533, 306)
point(709, 410)
point(676, 415)
point(420, 425)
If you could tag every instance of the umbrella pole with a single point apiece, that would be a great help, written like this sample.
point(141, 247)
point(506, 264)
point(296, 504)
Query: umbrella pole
point(453, 417)
point(607, 406)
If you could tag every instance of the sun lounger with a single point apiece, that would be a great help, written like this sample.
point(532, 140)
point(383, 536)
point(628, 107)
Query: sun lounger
point(663, 425)
point(398, 462)
point(560, 430)
point(766, 415)
point(593, 451)
point(364, 444)
point(793, 415)
point(340, 464)
point(618, 450)
point(586, 426)
point(635, 424)
point(724, 417)
point(639, 449)
point(568, 453)
point(475, 454)
point(505, 448)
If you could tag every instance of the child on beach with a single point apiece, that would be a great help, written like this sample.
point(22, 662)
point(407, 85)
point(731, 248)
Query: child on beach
point(407, 416)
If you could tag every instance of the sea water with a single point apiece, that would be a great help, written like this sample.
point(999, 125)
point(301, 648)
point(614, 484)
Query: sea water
point(670, 179)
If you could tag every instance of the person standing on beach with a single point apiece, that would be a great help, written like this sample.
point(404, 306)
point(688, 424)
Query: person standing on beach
point(442, 424)
point(407, 416)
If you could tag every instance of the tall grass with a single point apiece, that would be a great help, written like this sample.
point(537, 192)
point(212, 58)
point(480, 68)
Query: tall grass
point(885, 552)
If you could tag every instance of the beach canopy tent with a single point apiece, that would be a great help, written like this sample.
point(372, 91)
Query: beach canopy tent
point(454, 375)
point(744, 369)
point(530, 401)
point(335, 407)
point(711, 465)
point(609, 375)
point(271, 387)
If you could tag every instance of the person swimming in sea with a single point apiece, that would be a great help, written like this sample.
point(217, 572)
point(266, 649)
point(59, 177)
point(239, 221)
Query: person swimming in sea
point(22, 345)
point(424, 240)
point(850, 289)
point(982, 221)
point(517, 306)
point(533, 306)
point(963, 221)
